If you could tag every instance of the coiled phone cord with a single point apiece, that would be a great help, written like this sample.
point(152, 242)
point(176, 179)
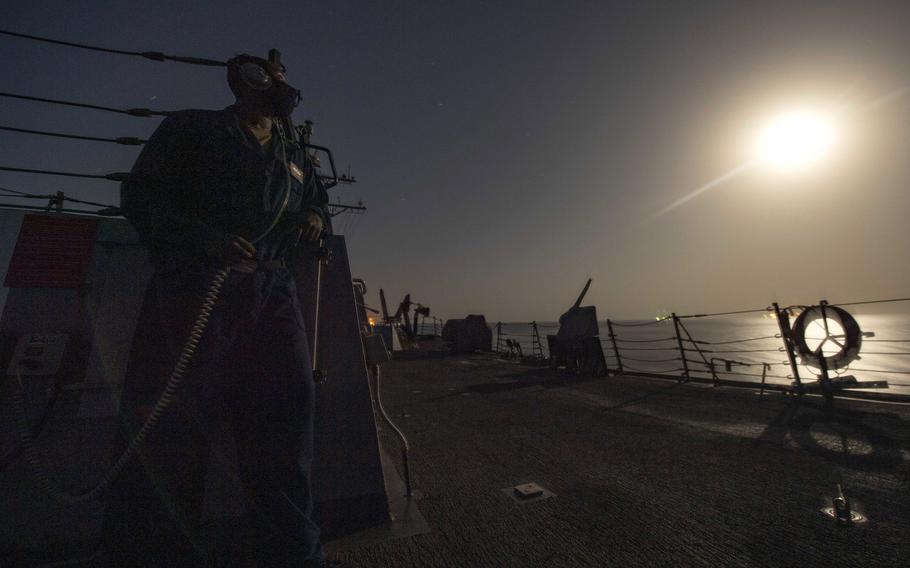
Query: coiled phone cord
point(164, 401)
point(32, 456)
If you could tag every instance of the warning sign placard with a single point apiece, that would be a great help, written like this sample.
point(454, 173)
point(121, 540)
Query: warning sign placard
point(52, 251)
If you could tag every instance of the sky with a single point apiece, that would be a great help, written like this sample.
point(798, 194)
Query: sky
point(507, 151)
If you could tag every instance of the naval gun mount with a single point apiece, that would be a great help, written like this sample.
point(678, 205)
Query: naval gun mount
point(576, 345)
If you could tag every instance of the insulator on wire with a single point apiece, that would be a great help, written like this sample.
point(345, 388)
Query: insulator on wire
point(152, 55)
point(116, 176)
point(140, 112)
point(125, 140)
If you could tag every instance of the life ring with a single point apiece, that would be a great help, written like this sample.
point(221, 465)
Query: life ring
point(849, 343)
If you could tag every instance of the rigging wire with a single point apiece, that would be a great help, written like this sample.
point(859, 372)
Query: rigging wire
point(153, 55)
point(108, 212)
point(24, 195)
point(141, 112)
point(116, 176)
point(126, 141)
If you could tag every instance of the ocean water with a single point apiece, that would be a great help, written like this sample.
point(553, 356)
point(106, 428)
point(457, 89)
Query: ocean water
point(746, 340)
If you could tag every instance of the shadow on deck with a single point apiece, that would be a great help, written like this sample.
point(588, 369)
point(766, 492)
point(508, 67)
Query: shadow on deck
point(645, 472)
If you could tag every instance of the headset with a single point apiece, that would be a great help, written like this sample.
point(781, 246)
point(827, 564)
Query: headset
point(254, 75)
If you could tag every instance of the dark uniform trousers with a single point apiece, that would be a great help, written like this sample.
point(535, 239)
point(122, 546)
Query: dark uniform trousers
point(251, 373)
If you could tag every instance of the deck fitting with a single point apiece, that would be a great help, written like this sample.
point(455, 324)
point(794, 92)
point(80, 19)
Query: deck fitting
point(855, 518)
point(528, 493)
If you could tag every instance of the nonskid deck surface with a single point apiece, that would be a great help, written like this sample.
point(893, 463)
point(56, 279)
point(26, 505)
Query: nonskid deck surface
point(644, 472)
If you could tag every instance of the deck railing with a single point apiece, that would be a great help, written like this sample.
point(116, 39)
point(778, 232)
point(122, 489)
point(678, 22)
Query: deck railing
point(678, 347)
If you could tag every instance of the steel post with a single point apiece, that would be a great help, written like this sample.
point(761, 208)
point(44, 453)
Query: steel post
point(783, 323)
point(615, 348)
point(682, 351)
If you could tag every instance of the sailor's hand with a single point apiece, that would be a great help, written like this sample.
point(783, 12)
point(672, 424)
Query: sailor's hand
point(312, 226)
point(230, 249)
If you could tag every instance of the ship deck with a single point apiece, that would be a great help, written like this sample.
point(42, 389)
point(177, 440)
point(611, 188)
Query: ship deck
point(642, 472)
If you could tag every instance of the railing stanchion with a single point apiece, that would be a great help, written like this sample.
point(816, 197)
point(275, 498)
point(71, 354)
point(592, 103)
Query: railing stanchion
point(783, 323)
point(536, 347)
point(615, 348)
point(697, 348)
point(682, 351)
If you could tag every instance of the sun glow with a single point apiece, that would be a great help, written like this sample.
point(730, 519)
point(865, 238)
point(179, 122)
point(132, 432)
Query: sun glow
point(793, 142)
point(796, 141)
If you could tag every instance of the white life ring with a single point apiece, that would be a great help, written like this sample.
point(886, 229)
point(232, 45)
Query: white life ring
point(849, 342)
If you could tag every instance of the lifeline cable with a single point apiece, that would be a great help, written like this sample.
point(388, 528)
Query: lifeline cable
point(125, 140)
point(636, 370)
point(725, 313)
point(719, 372)
point(886, 352)
point(639, 324)
point(153, 55)
point(701, 342)
point(626, 357)
point(643, 340)
point(776, 350)
point(141, 112)
point(796, 306)
point(872, 302)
